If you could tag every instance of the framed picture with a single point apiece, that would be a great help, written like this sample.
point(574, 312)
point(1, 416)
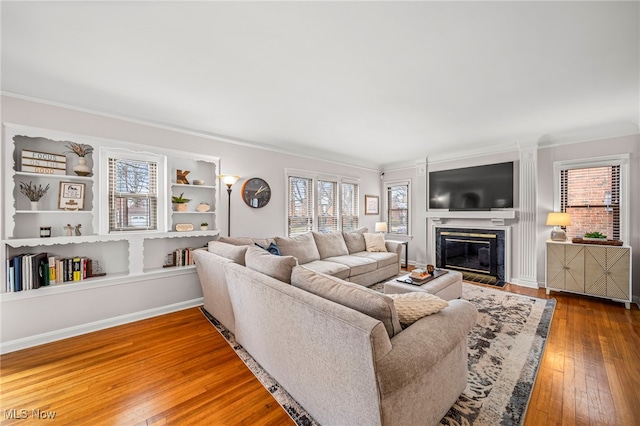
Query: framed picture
point(371, 204)
point(71, 196)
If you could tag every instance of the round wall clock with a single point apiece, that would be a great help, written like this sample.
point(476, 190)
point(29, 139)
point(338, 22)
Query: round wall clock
point(256, 193)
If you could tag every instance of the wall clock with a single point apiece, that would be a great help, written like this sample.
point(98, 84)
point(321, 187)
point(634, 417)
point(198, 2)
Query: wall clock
point(256, 193)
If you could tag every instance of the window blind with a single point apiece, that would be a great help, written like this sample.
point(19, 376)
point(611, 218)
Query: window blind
point(133, 195)
point(327, 206)
point(350, 207)
point(398, 209)
point(591, 195)
point(300, 209)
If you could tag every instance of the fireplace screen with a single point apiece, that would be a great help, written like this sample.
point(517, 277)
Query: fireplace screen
point(478, 255)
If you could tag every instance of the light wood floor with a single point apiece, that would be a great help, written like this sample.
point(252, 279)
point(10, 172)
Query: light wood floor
point(177, 369)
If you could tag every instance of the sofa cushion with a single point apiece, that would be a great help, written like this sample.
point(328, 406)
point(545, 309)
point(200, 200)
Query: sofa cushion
point(303, 247)
point(229, 251)
point(358, 265)
point(374, 242)
point(278, 267)
point(415, 305)
point(355, 240)
point(383, 258)
point(246, 241)
point(353, 296)
point(330, 244)
point(334, 269)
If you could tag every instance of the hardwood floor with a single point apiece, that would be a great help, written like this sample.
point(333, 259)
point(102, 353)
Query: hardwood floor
point(172, 369)
point(177, 369)
point(590, 371)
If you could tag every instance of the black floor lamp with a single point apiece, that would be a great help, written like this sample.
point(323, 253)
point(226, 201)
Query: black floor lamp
point(229, 180)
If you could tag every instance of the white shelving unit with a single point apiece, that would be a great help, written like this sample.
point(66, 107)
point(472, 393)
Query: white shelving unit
point(125, 256)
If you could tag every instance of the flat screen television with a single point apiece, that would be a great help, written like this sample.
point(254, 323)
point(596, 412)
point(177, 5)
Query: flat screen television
point(472, 188)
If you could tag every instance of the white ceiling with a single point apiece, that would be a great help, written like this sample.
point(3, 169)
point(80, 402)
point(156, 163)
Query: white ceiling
point(366, 83)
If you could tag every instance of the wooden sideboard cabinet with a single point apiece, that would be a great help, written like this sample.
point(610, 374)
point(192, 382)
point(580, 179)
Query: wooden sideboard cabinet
point(594, 270)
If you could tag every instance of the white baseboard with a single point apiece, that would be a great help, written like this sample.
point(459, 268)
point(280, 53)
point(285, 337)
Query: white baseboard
point(40, 339)
point(525, 283)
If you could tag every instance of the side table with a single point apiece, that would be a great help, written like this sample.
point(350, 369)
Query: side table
point(406, 251)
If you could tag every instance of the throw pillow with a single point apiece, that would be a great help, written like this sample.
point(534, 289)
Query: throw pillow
point(354, 296)
point(278, 267)
point(303, 247)
point(374, 242)
point(330, 244)
point(355, 240)
point(273, 248)
point(235, 253)
point(415, 305)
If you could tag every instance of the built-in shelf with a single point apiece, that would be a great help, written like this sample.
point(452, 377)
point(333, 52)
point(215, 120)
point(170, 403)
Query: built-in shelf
point(182, 185)
point(53, 211)
point(59, 177)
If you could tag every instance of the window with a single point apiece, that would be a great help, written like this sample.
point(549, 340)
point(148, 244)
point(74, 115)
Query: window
point(327, 206)
point(591, 192)
point(350, 209)
point(398, 208)
point(300, 205)
point(134, 192)
point(321, 204)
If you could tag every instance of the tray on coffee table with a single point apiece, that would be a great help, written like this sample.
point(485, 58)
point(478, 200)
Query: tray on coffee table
point(408, 280)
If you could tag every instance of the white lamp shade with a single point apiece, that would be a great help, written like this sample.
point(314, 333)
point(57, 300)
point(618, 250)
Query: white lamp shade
point(229, 180)
point(381, 227)
point(558, 219)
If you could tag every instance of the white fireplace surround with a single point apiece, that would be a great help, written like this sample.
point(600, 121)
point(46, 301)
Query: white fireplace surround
point(507, 239)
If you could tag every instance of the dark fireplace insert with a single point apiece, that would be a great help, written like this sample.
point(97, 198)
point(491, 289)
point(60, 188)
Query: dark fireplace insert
point(477, 253)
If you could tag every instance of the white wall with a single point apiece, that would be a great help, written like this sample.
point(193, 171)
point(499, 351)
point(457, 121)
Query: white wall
point(33, 320)
point(547, 155)
point(585, 150)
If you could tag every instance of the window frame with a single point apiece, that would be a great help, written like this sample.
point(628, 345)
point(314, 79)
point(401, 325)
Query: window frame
point(315, 179)
point(621, 160)
point(387, 186)
point(106, 154)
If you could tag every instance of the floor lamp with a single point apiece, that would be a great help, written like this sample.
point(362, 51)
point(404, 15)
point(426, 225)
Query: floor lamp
point(229, 180)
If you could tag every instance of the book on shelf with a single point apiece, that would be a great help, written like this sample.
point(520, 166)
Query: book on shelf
point(32, 271)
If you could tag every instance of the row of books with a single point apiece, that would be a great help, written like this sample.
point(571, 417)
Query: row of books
point(180, 257)
point(32, 271)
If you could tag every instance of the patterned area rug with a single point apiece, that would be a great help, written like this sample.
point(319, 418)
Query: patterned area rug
point(505, 349)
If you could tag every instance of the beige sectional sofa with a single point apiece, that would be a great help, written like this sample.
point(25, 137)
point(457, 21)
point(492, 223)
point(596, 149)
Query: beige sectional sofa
point(335, 346)
point(340, 254)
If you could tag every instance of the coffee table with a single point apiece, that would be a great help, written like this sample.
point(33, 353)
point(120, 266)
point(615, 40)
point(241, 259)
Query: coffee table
point(447, 286)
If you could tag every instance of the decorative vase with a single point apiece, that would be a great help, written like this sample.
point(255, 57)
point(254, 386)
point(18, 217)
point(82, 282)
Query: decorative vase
point(81, 169)
point(34, 205)
point(181, 207)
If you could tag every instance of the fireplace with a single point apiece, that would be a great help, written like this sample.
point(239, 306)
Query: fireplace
point(477, 253)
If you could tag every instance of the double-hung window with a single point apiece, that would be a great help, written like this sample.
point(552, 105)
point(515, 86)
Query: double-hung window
point(134, 195)
point(320, 204)
point(595, 196)
point(397, 204)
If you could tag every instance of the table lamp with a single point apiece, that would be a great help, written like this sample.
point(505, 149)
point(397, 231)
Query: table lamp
point(381, 227)
point(557, 220)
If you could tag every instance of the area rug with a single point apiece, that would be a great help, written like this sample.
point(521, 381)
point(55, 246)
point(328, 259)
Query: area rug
point(505, 349)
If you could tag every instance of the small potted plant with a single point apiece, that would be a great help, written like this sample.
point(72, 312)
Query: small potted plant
point(180, 202)
point(81, 150)
point(33, 193)
point(204, 226)
point(597, 236)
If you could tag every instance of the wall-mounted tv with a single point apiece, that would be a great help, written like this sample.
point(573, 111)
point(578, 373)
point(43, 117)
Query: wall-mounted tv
point(472, 188)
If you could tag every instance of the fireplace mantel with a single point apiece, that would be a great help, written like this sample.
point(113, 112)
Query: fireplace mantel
point(497, 217)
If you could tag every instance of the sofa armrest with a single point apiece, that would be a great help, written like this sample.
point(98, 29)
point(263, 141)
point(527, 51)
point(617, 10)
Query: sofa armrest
point(394, 247)
point(420, 346)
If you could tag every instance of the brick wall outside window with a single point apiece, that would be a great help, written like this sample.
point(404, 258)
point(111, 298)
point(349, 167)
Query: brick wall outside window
point(591, 197)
